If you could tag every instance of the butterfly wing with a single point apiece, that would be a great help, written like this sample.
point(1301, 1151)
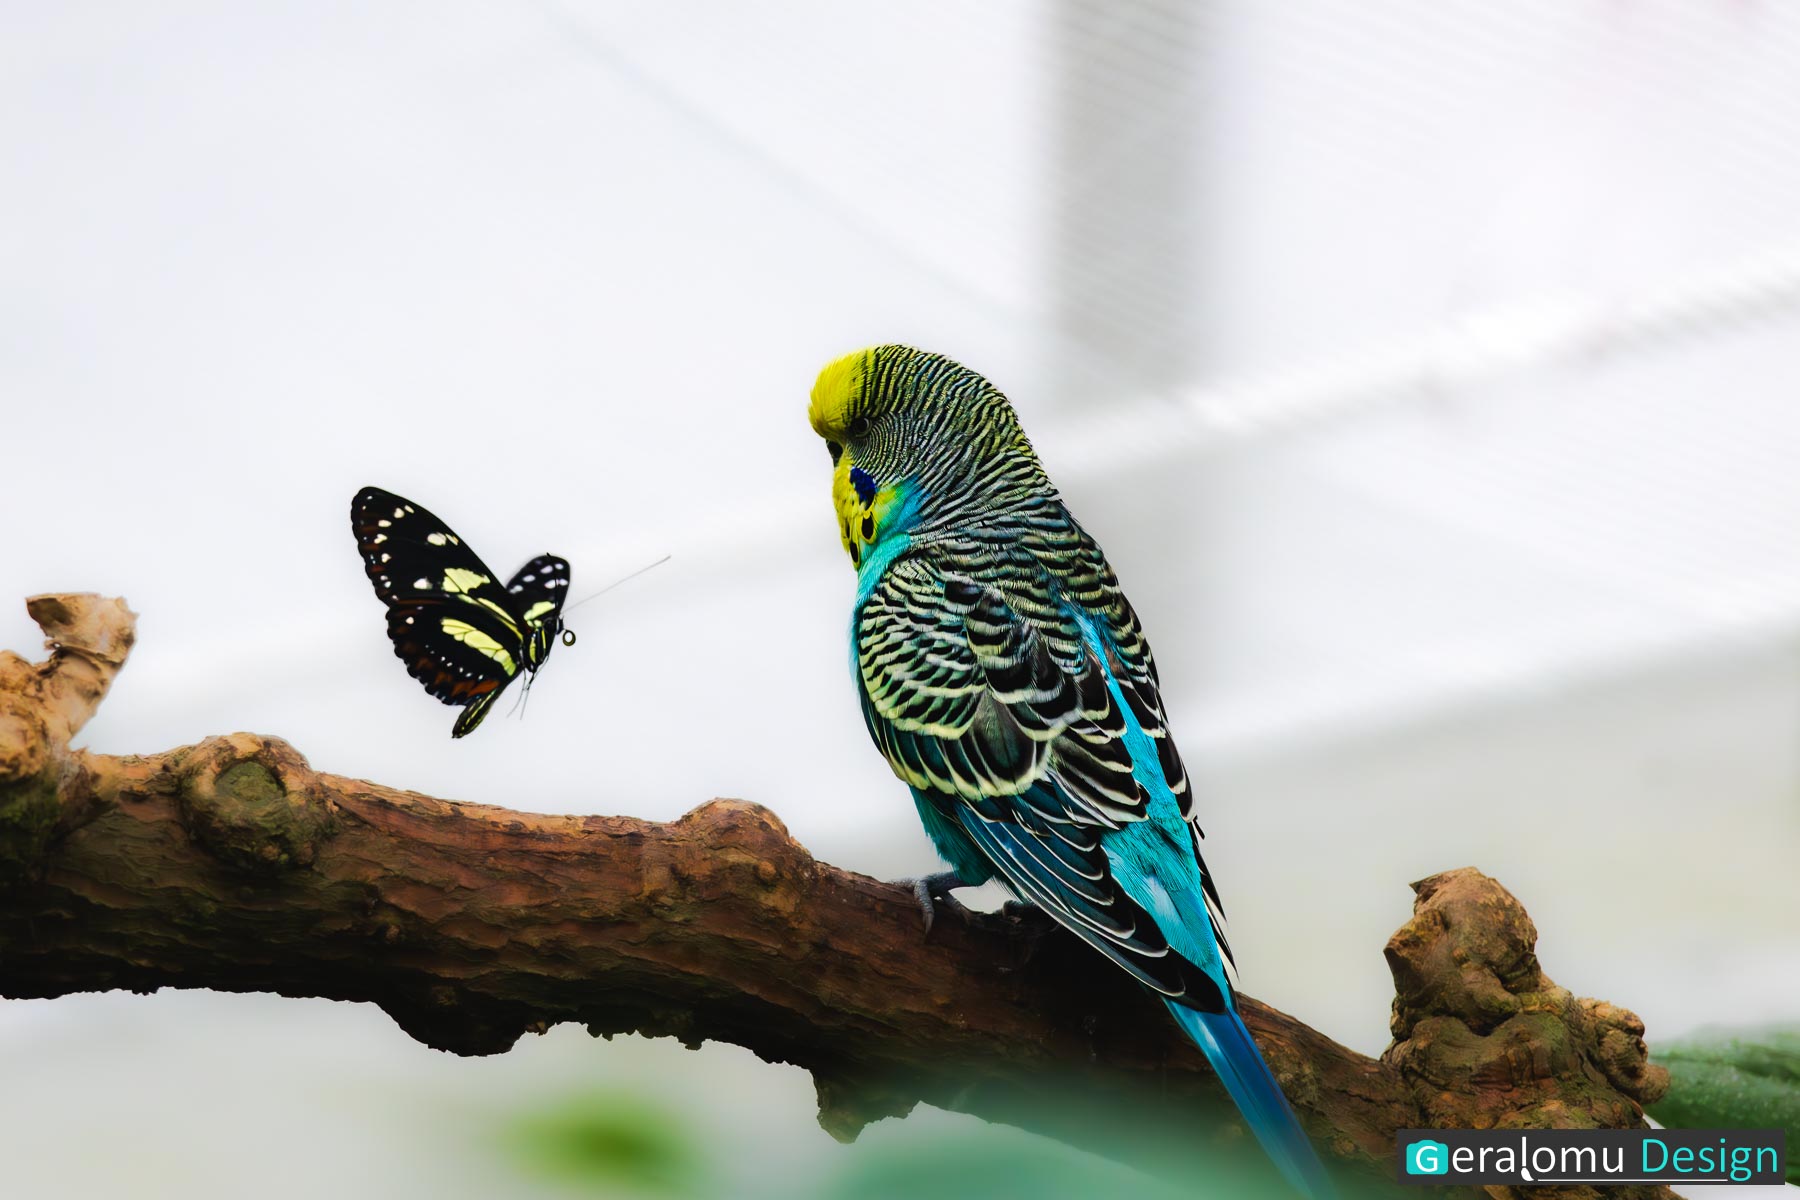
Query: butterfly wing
point(474, 713)
point(452, 623)
point(536, 593)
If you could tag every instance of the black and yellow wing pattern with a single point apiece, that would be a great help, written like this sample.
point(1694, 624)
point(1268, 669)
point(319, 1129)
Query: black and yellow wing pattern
point(460, 632)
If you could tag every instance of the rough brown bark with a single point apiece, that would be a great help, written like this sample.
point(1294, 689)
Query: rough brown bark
point(234, 865)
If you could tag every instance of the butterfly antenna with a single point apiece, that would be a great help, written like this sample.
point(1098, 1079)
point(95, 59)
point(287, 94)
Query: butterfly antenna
point(622, 579)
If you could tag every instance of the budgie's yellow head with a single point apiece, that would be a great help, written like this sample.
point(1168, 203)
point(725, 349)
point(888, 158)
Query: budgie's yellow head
point(918, 442)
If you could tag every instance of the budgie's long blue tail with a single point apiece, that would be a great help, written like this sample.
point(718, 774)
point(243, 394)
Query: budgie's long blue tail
point(1240, 1067)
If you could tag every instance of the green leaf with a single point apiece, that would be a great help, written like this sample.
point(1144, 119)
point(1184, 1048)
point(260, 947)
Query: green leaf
point(607, 1143)
point(999, 1163)
point(1735, 1079)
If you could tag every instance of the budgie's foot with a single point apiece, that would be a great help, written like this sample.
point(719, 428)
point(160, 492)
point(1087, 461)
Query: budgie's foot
point(1025, 912)
point(933, 890)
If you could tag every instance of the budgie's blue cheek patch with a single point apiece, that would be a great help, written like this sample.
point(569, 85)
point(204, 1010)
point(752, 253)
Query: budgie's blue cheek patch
point(858, 498)
point(864, 483)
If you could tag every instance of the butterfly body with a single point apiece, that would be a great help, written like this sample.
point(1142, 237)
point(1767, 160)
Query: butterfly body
point(461, 632)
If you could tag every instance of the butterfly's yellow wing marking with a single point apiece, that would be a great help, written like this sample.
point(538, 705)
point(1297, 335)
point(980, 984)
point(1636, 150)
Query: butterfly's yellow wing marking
point(463, 584)
point(480, 642)
point(535, 614)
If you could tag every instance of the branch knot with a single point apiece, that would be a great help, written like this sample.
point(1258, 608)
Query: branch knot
point(253, 804)
point(1486, 1039)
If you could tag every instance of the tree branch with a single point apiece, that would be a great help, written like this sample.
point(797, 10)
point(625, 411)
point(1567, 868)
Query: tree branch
point(234, 865)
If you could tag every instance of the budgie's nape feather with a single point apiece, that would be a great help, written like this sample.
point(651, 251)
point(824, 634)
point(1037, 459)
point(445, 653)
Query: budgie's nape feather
point(1007, 681)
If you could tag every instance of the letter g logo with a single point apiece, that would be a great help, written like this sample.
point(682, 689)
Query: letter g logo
point(1427, 1157)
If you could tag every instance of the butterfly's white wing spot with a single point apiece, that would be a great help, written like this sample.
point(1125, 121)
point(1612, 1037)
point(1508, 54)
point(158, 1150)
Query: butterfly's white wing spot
point(398, 513)
point(436, 539)
point(421, 584)
point(384, 523)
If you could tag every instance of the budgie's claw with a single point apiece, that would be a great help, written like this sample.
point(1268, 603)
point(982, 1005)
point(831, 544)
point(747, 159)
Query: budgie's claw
point(934, 890)
point(1025, 911)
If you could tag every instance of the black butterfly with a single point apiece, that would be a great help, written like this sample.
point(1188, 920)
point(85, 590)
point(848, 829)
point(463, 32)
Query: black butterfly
point(460, 633)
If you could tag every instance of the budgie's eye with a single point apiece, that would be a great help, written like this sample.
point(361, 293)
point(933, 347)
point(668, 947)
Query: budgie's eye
point(859, 427)
point(837, 452)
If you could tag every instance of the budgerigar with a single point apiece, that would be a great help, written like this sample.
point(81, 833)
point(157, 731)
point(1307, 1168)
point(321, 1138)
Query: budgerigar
point(1005, 677)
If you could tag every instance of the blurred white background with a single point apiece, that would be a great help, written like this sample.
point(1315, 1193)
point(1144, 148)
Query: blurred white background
point(1428, 370)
